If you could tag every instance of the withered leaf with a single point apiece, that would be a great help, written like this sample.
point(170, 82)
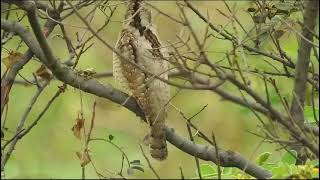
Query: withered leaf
point(83, 157)
point(44, 72)
point(11, 59)
point(77, 128)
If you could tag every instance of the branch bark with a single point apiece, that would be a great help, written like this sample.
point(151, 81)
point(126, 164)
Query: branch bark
point(301, 70)
point(8, 80)
point(302, 66)
point(42, 50)
point(274, 114)
point(208, 153)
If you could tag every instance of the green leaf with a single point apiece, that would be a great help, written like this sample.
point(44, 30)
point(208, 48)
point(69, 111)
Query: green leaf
point(308, 113)
point(279, 172)
point(207, 170)
point(137, 168)
point(314, 163)
point(111, 137)
point(136, 162)
point(293, 169)
point(289, 158)
point(315, 173)
point(269, 166)
point(226, 170)
point(262, 158)
point(227, 176)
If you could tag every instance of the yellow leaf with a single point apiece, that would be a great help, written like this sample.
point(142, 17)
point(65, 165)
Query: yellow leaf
point(11, 59)
point(77, 128)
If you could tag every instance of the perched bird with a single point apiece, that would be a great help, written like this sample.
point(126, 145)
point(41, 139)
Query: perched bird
point(138, 43)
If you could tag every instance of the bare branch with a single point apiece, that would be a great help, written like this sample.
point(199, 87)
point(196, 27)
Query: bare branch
point(208, 153)
point(301, 70)
point(7, 155)
point(107, 91)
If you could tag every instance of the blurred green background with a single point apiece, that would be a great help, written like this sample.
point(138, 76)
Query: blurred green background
point(49, 150)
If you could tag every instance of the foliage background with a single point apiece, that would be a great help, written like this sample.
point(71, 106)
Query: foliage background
point(49, 151)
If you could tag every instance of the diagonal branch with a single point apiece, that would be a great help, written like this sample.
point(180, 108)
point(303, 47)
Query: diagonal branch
point(7, 81)
point(42, 50)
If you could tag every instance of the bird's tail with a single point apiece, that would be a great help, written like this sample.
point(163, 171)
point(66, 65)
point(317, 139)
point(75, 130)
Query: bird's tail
point(157, 136)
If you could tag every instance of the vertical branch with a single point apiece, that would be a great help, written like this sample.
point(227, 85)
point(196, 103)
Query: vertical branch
point(149, 163)
point(88, 136)
point(301, 70)
point(196, 159)
point(217, 154)
point(181, 172)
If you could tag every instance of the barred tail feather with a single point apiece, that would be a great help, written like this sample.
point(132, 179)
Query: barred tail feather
point(158, 145)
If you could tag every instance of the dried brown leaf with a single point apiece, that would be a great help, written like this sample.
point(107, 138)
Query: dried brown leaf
point(44, 72)
point(11, 59)
point(77, 128)
point(83, 157)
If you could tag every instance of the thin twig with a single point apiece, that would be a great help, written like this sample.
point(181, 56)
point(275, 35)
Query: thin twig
point(149, 163)
point(23, 119)
point(196, 159)
point(181, 172)
point(217, 154)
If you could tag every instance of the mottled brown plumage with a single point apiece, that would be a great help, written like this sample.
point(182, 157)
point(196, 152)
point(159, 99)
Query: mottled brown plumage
point(139, 43)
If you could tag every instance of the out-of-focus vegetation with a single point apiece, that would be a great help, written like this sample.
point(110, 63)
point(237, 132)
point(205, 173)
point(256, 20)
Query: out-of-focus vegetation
point(49, 150)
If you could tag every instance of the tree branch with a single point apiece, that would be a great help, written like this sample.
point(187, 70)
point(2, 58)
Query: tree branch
point(208, 153)
point(301, 70)
point(68, 76)
point(302, 66)
point(7, 155)
point(7, 81)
